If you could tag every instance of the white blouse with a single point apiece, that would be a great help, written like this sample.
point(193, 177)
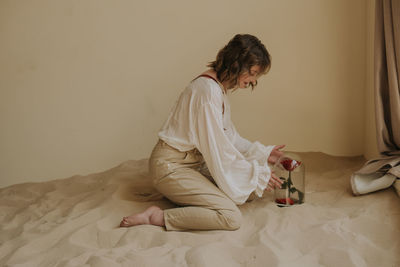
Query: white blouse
point(198, 120)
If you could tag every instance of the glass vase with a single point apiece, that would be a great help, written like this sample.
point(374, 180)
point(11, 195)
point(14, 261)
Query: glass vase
point(291, 170)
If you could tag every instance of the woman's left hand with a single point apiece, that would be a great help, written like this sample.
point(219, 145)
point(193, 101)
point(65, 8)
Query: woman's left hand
point(274, 182)
point(275, 154)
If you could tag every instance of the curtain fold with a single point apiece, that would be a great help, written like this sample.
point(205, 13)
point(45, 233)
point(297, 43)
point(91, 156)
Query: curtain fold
point(384, 171)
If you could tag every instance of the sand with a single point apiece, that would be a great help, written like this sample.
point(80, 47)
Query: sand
point(74, 222)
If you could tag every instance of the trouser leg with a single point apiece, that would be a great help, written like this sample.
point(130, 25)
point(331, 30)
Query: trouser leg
point(204, 205)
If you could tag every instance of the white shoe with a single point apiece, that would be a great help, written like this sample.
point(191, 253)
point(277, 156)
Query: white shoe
point(366, 183)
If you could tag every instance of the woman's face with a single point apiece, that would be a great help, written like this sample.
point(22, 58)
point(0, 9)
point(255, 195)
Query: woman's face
point(249, 77)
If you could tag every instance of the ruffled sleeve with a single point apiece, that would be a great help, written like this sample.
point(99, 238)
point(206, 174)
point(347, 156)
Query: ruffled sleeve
point(236, 174)
point(250, 150)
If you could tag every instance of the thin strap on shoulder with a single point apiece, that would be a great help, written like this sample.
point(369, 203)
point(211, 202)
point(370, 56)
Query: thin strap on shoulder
point(208, 76)
point(212, 78)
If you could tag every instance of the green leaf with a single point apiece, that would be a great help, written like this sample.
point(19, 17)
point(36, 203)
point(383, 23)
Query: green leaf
point(293, 189)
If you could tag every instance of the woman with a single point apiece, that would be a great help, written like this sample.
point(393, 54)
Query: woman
point(200, 162)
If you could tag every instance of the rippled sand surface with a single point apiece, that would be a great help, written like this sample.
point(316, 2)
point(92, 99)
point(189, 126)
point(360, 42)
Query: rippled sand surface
point(74, 222)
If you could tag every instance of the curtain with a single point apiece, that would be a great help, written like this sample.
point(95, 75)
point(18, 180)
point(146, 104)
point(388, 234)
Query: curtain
point(384, 171)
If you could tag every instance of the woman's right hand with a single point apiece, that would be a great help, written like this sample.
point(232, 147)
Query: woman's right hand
point(274, 182)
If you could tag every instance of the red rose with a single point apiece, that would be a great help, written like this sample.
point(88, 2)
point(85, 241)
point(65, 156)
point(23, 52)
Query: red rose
point(290, 164)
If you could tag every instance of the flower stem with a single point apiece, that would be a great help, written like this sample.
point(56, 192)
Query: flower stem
point(289, 182)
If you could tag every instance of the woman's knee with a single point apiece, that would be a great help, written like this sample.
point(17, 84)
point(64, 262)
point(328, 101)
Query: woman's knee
point(233, 218)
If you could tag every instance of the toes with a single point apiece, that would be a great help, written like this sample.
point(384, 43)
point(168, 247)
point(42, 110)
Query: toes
point(124, 222)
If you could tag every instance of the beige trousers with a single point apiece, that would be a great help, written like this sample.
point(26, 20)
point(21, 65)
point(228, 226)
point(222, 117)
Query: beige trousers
point(183, 178)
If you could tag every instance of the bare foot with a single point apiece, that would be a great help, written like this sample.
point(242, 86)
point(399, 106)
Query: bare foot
point(152, 215)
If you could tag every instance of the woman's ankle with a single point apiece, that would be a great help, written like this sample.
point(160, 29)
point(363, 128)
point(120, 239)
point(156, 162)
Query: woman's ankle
point(157, 218)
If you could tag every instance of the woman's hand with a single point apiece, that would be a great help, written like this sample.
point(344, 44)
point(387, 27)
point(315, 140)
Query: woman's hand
point(274, 182)
point(275, 154)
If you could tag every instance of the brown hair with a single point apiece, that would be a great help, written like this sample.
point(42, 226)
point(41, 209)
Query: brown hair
point(238, 56)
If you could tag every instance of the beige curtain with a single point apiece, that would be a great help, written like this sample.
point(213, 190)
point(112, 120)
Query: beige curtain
point(384, 172)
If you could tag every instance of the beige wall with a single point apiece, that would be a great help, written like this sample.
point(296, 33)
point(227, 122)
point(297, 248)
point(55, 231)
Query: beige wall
point(85, 85)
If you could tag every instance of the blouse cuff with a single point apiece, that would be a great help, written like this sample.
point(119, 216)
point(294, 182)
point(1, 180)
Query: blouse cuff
point(262, 174)
point(259, 152)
